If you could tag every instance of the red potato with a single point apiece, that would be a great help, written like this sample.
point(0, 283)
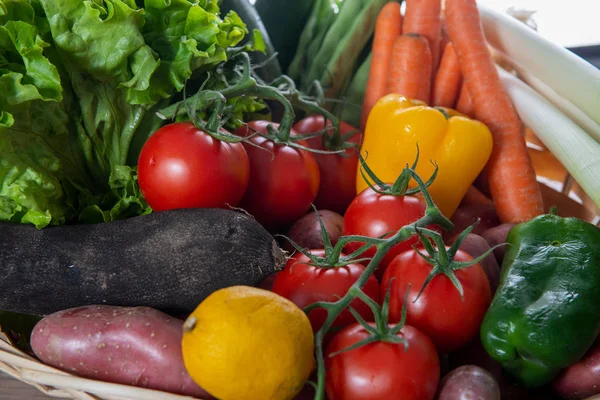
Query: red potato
point(469, 382)
point(495, 236)
point(136, 346)
point(306, 232)
point(476, 246)
point(467, 215)
point(581, 379)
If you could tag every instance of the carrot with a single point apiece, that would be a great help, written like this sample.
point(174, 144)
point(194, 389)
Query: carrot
point(410, 69)
point(514, 188)
point(447, 79)
point(475, 197)
point(465, 103)
point(423, 17)
point(387, 28)
point(444, 37)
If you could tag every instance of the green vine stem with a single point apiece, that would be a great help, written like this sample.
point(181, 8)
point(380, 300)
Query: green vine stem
point(433, 216)
point(282, 89)
point(442, 259)
point(332, 258)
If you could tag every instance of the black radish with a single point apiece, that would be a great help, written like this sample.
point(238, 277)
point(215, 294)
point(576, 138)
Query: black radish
point(169, 260)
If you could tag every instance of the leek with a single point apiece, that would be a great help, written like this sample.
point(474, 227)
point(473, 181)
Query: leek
point(569, 75)
point(572, 146)
point(564, 105)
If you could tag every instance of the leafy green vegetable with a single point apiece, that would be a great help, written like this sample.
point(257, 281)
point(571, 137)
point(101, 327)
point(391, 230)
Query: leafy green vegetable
point(79, 103)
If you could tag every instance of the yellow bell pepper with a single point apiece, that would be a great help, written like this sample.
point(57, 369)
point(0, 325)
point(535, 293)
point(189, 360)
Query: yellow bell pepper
point(458, 145)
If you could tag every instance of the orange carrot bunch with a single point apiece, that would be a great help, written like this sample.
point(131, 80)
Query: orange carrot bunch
point(444, 61)
point(406, 53)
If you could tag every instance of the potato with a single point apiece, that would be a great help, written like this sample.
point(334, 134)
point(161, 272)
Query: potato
point(475, 245)
point(581, 379)
point(495, 236)
point(136, 346)
point(467, 215)
point(469, 382)
point(306, 232)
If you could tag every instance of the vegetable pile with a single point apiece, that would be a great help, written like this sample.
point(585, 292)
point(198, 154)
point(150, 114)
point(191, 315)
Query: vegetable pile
point(195, 202)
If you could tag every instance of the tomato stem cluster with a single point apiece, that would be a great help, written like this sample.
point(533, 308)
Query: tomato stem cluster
point(433, 216)
point(442, 259)
point(333, 257)
point(282, 90)
point(400, 186)
point(382, 332)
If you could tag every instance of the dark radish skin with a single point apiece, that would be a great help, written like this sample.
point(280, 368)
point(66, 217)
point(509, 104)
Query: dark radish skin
point(135, 346)
point(582, 379)
point(495, 236)
point(168, 260)
point(466, 216)
point(476, 246)
point(306, 232)
point(469, 382)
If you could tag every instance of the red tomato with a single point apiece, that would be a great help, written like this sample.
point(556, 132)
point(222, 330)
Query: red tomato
point(304, 284)
point(381, 370)
point(372, 214)
point(283, 180)
point(440, 312)
point(181, 166)
point(338, 171)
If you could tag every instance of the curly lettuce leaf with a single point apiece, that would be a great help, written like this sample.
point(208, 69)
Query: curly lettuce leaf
point(25, 73)
point(33, 126)
point(31, 190)
point(188, 37)
point(124, 200)
point(120, 77)
point(81, 83)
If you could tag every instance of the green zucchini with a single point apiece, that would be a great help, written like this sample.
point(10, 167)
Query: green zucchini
point(169, 260)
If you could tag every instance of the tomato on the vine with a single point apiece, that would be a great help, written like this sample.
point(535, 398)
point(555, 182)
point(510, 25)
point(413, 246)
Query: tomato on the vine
point(381, 370)
point(305, 284)
point(338, 171)
point(181, 166)
point(440, 312)
point(283, 180)
point(373, 215)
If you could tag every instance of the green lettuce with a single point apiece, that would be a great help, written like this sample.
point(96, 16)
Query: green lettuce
point(81, 82)
point(33, 124)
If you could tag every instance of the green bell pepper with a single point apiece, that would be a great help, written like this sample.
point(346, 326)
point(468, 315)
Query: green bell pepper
point(545, 313)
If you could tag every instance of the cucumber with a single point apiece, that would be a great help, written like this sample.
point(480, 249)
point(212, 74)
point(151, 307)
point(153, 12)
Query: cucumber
point(169, 260)
point(272, 69)
point(284, 20)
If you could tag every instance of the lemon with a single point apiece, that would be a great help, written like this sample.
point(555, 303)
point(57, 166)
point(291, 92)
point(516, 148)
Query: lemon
point(244, 343)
